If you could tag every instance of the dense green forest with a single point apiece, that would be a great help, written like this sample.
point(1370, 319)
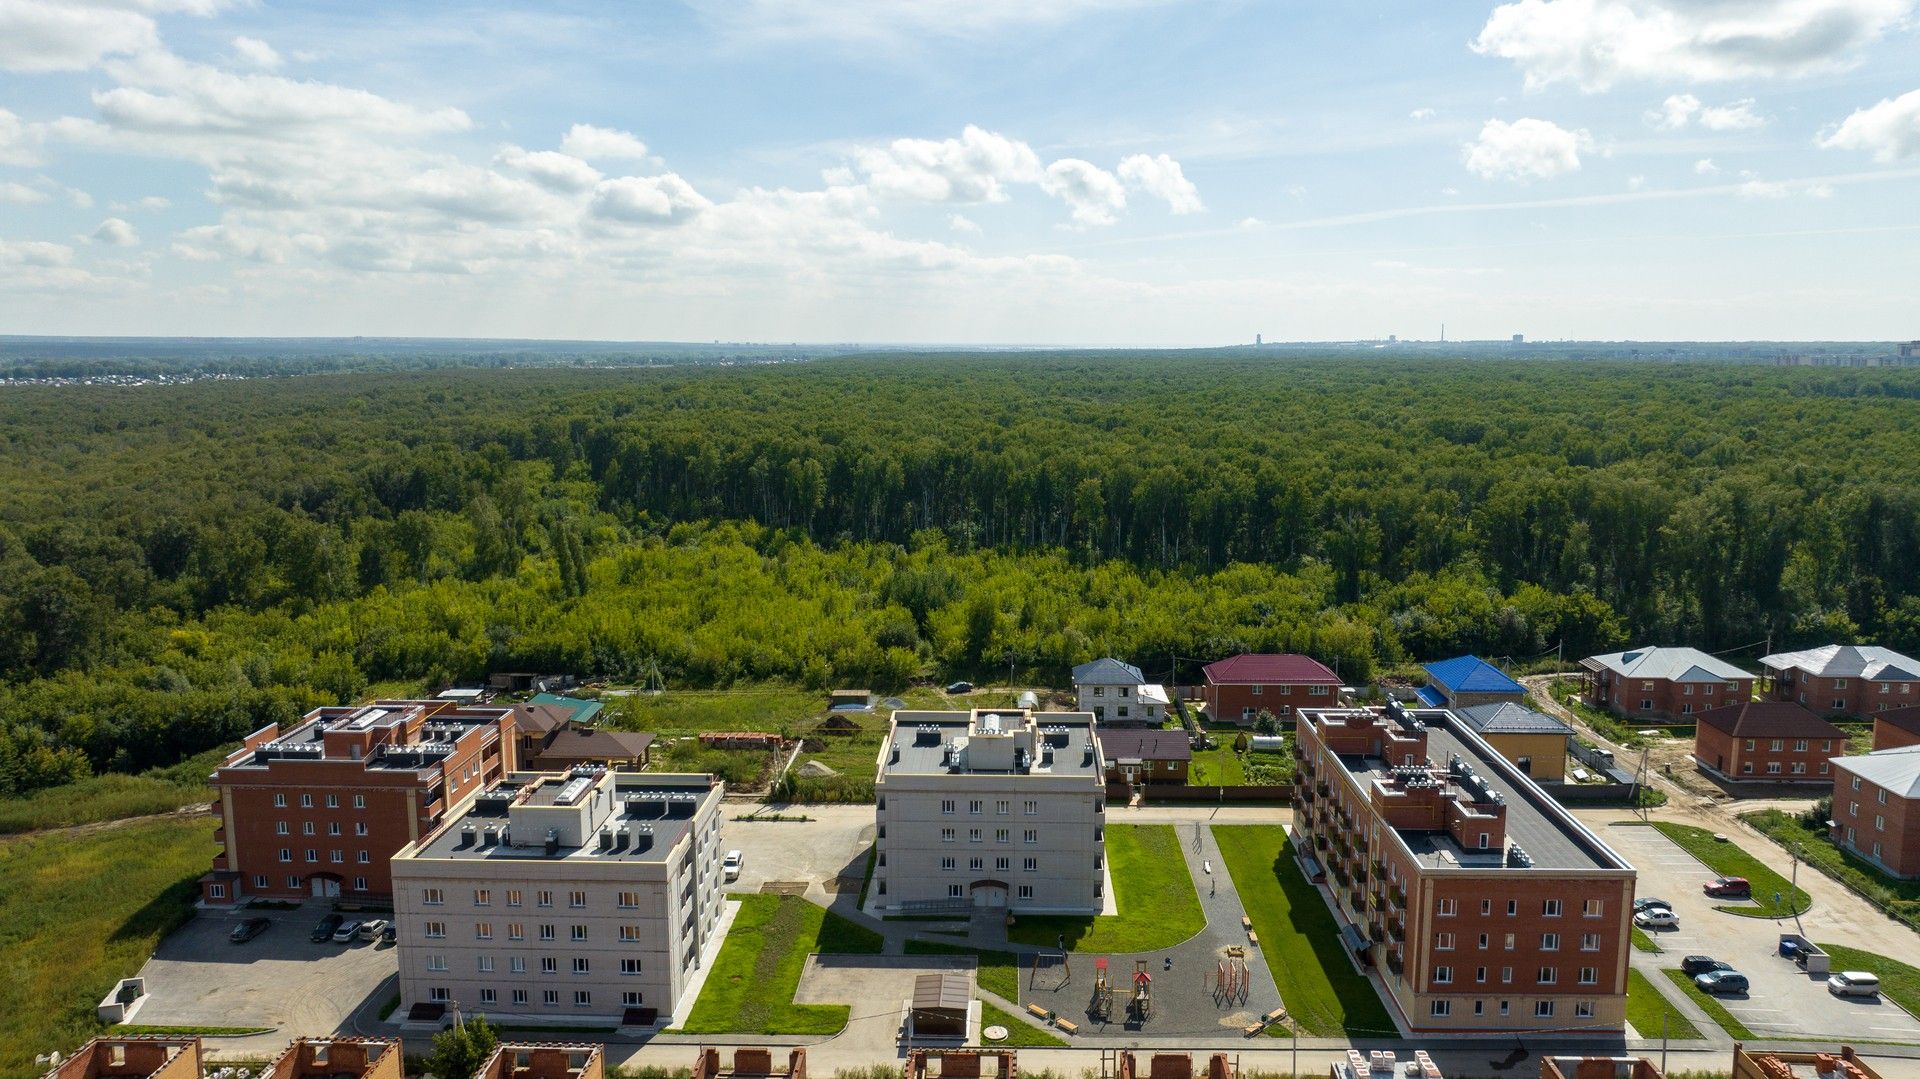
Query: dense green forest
point(179, 564)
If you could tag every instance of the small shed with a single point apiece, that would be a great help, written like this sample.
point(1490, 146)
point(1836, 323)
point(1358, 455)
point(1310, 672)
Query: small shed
point(940, 1005)
point(850, 700)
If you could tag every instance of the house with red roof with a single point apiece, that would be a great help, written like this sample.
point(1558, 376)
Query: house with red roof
point(1240, 687)
point(1896, 729)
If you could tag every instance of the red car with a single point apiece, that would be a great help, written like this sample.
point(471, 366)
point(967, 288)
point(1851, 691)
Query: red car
point(1728, 888)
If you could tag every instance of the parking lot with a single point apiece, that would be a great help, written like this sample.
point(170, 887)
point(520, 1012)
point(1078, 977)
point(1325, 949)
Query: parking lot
point(828, 853)
point(279, 979)
point(1783, 1000)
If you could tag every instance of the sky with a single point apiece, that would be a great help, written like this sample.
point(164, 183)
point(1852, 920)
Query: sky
point(1079, 172)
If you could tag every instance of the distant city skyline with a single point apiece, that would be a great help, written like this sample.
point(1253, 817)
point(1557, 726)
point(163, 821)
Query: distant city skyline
point(1148, 172)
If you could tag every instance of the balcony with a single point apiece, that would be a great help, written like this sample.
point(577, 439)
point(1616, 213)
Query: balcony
point(1397, 896)
point(1322, 787)
point(1395, 963)
point(1377, 933)
point(1360, 844)
point(1397, 929)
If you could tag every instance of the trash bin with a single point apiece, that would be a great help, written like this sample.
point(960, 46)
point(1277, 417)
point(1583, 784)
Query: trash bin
point(1788, 948)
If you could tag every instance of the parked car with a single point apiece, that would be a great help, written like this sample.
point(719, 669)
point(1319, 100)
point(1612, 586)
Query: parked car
point(1722, 981)
point(730, 868)
point(1648, 903)
point(1854, 983)
point(1701, 964)
point(373, 927)
point(249, 929)
point(960, 687)
point(346, 932)
point(1728, 888)
point(1656, 918)
point(390, 934)
point(324, 931)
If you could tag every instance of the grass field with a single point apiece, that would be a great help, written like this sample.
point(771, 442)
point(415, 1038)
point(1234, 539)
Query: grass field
point(750, 989)
point(1712, 1007)
point(1217, 768)
point(998, 973)
point(1151, 889)
point(1646, 1009)
point(1899, 982)
point(78, 913)
point(1644, 942)
point(1298, 936)
point(1731, 860)
point(112, 797)
point(1899, 898)
point(1019, 1034)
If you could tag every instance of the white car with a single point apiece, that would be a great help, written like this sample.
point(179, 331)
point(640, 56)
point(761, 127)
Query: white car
point(730, 868)
point(371, 930)
point(1656, 918)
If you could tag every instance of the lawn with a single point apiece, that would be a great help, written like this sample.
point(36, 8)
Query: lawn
point(1019, 1034)
point(998, 972)
point(1729, 859)
point(113, 796)
point(1299, 937)
point(1151, 889)
point(782, 709)
point(1646, 1009)
point(1713, 1007)
point(1899, 898)
point(1644, 942)
point(750, 989)
point(1899, 982)
point(1566, 691)
point(78, 912)
point(1219, 767)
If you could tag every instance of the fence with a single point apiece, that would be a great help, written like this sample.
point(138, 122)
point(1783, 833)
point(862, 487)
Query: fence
point(1177, 792)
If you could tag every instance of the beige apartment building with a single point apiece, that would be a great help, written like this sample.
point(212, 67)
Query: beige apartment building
point(1000, 807)
point(584, 895)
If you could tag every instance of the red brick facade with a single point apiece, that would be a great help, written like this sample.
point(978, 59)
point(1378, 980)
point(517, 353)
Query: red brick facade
point(1895, 729)
point(1238, 689)
point(1656, 698)
point(1878, 825)
point(1843, 696)
point(1768, 741)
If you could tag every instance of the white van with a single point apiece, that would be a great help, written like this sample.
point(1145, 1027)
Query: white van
point(730, 868)
point(1854, 983)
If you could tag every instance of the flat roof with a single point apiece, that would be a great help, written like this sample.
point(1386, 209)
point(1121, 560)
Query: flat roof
point(921, 739)
point(656, 810)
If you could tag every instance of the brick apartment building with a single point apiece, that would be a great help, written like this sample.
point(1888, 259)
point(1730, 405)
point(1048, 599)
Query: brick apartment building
point(1239, 688)
point(319, 809)
point(1844, 679)
point(1876, 808)
point(1662, 683)
point(1768, 741)
point(1485, 904)
point(1896, 728)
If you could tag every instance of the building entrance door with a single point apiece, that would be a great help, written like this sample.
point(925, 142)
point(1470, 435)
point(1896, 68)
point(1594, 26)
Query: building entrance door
point(326, 888)
point(989, 893)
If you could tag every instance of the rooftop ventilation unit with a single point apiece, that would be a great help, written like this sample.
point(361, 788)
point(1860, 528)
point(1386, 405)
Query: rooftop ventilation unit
point(1518, 858)
point(553, 842)
point(606, 840)
point(489, 836)
point(467, 832)
point(367, 717)
point(574, 788)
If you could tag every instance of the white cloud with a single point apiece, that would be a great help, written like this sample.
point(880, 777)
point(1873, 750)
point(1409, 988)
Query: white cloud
point(257, 53)
point(117, 232)
point(886, 20)
point(80, 199)
point(1675, 112)
point(602, 144)
point(48, 35)
point(1888, 130)
point(976, 167)
point(1525, 149)
point(1162, 177)
point(1679, 110)
point(1597, 43)
point(19, 140)
point(1422, 114)
point(1705, 167)
point(34, 253)
point(963, 223)
point(149, 204)
point(1635, 183)
point(20, 194)
point(648, 200)
point(1093, 194)
point(1250, 224)
point(557, 171)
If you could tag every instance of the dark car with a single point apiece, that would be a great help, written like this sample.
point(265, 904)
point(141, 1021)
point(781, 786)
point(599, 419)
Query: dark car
point(325, 930)
point(1722, 981)
point(1648, 903)
point(1702, 964)
point(390, 934)
point(249, 929)
point(1728, 888)
point(960, 687)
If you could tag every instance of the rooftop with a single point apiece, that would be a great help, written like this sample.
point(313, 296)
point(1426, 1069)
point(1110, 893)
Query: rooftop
point(992, 741)
point(1267, 670)
point(1108, 672)
point(1667, 664)
point(583, 710)
point(1768, 719)
point(1868, 661)
point(1122, 744)
point(586, 813)
point(1895, 770)
point(399, 735)
point(1506, 717)
point(1471, 674)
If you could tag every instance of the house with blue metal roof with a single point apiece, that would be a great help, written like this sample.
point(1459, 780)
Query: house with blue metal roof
point(1464, 681)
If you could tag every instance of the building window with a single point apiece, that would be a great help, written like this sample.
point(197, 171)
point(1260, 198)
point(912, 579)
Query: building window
point(489, 996)
point(433, 897)
point(359, 801)
point(1590, 942)
point(1879, 823)
point(1750, 745)
point(279, 801)
point(517, 964)
point(1583, 1009)
point(976, 865)
point(486, 964)
point(1448, 908)
point(1002, 864)
point(436, 962)
point(975, 807)
point(629, 900)
point(1031, 865)
point(576, 900)
point(1543, 1009)
point(629, 966)
point(948, 864)
point(546, 932)
point(439, 994)
point(483, 930)
point(1443, 942)
point(1259, 690)
point(1506, 975)
point(1880, 796)
point(549, 965)
point(516, 931)
point(1026, 891)
point(954, 891)
point(1550, 908)
point(550, 997)
point(1549, 942)
point(483, 897)
point(543, 899)
point(1513, 907)
point(1486, 905)
point(217, 891)
point(435, 929)
point(280, 827)
point(1773, 768)
point(1549, 975)
point(579, 934)
point(1443, 975)
point(286, 854)
point(259, 880)
point(948, 806)
point(1480, 975)
point(520, 996)
point(1483, 942)
point(631, 998)
point(306, 801)
point(1594, 908)
point(1589, 975)
point(580, 964)
point(333, 801)
point(313, 855)
point(1510, 942)
point(582, 998)
point(946, 835)
point(1002, 807)
point(1031, 808)
point(1442, 1009)
point(1031, 836)
point(306, 827)
point(364, 858)
point(1800, 745)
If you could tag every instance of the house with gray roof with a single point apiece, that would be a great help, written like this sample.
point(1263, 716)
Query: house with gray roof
point(1118, 694)
point(1662, 682)
point(1876, 808)
point(1843, 679)
point(1535, 742)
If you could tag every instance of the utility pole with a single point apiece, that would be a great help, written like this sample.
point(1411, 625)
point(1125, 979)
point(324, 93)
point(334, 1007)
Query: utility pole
point(1793, 886)
point(1664, 1017)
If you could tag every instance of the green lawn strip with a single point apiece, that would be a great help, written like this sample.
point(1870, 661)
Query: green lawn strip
point(1019, 1035)
point(1646, 1008)
point(998, 972)
point(79, 912)
point(1644, 942)
point(1298, 936)
point(1729, 859)
point(1899, 982)
point(1899, 898)
point(750, 988)
point(1712, 1007)
point(1217, 768)
point(1151, 888)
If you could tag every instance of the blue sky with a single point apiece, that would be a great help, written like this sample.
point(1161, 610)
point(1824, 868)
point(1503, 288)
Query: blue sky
point(991, 171)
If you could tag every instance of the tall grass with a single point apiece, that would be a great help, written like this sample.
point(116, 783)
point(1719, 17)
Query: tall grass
point(112, 797)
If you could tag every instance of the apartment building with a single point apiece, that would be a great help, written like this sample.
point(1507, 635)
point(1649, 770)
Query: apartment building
point(1844, 679)
point(1118, 695)
point(584, 896)
point(317, 810)
point(1662, 683)
point(1896, 728)
point(1002, 807)
point(1484, 903)
point(1876, 808)
point(1767, 740)
point(1239, 688)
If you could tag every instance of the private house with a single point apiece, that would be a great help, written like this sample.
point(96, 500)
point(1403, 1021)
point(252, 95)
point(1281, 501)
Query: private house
point(1485, 905)
point(1145, 756)
point(336, 1058)
point(544, 1060)
point(555, 733)
point(1536, 743)
point(1239, 688)
point(1876, 808)
point(138, 1057)
point(1767, 740)
point(1844, 679)
point(1662, 683)
point(997, 807)
point(1465, 681)
point(1118, 695)
point(1896, 728)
